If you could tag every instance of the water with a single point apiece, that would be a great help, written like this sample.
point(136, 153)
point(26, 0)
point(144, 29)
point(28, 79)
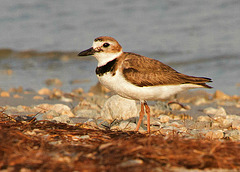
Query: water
point(197, 37)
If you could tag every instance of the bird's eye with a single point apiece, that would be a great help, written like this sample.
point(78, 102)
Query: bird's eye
point(106, 45)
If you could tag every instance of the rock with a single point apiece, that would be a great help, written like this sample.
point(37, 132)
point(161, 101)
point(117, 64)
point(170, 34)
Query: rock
point(175, 124)
point(192, 96)
point(38, 98)
point(97, 100)
point(87, 109)
point(44, 91)
point(218, 134)
point(87, 113)
point(234, 117)
point(233, 135)
point(200, 125)
point(85, 137)
point(62, 119)
point(56, 93)
point(16, 90)
point(65, 99)
point(59, 108)
point(216, 125)
point(5, 94)
point(164, 118)
point(221, 95)
point(78, 91)
point(236, 124)
point(226, 123)
point(210, 110)
point(130, 163)
point(200, 101)
point(175, 106)
point(153, 121)
point(53, 82)
point(117, 107)
point(126, 125)
point(50, 115)
point(17, 96)
point(204, 119)
point(220, 112)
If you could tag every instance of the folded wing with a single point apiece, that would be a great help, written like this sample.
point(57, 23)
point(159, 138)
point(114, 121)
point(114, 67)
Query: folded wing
point(143, 71)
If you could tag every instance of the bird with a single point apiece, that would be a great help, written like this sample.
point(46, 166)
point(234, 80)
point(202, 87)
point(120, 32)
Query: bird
point(137, 77)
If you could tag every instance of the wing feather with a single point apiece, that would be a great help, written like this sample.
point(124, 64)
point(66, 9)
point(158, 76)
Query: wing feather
point(143, 71)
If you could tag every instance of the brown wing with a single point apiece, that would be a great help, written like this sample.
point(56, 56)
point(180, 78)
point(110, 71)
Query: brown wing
point(144, 71)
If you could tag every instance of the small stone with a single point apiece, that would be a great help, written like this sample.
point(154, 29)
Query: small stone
point(204, 119)
point(16, 90)
point(153, 121)
point(175, 124)
point(164, 118)
point(50, 115)
point(175, 106)
point(126, 125)
point(65, 99)
point(54, 81)
point(90, 94)
point(117, 107)
point(56, 93)
point(200, 101)
point(218, 134)
point(236, 124)
point(216, 112)
point(221, 95)
point(226, 123)
point(57, 119)
point(216, 125)
point(5, 94)
point(87, 113)
point(17, 96)
point(220, 112)
point(233, 135)
point(59, 108)
point(78, 91)
point(38, 98)
point(200, 125)
point(234, 117)
point(85, 137)
point(130, 163)
point(44, 91)
point(210, 110)
point(62, 119)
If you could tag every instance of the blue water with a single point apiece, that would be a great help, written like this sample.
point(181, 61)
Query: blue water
point(199, 37)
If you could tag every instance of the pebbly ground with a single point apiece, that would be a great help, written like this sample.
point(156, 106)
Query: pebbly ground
point(200, 114)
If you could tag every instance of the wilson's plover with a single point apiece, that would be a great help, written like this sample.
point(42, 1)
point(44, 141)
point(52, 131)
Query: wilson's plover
point(138, 77)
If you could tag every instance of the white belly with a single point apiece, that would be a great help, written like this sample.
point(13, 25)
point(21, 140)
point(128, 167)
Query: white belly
point(118, 84)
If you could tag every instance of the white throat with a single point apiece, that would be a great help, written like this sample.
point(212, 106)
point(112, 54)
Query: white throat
point(103, 58)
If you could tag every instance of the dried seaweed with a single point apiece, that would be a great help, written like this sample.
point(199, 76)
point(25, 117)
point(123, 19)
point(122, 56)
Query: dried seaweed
point(48, 146)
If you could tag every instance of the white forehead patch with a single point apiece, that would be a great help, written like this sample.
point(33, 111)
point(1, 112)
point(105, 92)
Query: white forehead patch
point(97, 44)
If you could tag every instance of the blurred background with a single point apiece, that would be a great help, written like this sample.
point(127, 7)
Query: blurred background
point(40, 39)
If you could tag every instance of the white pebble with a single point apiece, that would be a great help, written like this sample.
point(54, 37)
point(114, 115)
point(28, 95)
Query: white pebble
point(218, 134)
point(164, 118)
point(204, 119)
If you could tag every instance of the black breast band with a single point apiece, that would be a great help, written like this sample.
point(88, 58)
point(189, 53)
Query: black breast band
point(109, 67)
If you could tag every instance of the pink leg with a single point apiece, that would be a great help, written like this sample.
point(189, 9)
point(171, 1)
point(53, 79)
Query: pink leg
point(148, 116)
point(141, 114)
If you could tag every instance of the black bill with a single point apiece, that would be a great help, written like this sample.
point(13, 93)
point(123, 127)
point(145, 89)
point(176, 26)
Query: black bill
point(87, 52)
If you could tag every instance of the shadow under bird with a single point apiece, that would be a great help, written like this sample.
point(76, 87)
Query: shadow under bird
point(138, 77)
